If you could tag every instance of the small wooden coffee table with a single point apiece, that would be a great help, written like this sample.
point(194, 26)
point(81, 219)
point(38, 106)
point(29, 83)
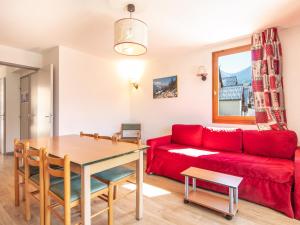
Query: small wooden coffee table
point(218, 203)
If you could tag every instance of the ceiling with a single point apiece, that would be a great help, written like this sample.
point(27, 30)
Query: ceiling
point(174, 25)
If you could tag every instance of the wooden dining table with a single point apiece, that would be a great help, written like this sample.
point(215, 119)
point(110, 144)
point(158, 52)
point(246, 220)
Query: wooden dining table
point(89, 156)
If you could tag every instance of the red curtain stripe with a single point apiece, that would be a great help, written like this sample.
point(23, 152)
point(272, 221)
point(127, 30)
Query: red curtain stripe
point(267, 80)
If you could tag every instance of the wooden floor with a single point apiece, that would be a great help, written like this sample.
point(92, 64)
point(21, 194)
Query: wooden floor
point(163, 205)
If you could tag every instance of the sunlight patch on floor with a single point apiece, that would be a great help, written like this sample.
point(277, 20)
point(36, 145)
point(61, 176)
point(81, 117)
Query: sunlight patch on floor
point(192, 152)
point(148, 190)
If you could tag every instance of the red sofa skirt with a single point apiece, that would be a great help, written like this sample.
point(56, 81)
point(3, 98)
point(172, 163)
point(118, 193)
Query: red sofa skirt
point(267, 181)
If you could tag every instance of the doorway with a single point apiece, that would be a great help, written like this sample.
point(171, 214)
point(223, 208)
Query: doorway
point(27, 102)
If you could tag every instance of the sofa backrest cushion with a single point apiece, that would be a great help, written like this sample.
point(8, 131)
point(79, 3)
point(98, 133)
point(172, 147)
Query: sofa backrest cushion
point(187, 134)
point(223, 139)
point(270, 143)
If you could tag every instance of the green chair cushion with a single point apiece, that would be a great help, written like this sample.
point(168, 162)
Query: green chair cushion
point(58, 188)
point(114, 174)
point(53, 180)
point(33, 170)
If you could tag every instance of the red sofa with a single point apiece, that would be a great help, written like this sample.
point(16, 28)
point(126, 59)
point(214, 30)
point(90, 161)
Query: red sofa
point(269, 161)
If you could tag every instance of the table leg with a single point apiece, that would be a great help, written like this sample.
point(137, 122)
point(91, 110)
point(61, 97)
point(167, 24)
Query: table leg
point(231, 200)
point(186, 187)
point(194, 184)
point(86, 195)
point(139, 186)
point(236, 195)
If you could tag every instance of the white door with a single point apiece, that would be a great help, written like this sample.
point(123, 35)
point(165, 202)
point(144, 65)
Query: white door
point(41, 102)
point(37, 104)
point(2, 115)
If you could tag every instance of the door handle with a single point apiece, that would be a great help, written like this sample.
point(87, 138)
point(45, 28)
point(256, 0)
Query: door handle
point(50, 118)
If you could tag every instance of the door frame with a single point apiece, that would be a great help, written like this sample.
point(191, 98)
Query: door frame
point(18, 66)
point(3, 147)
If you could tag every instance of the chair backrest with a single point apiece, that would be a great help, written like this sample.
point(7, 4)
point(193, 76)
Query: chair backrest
point(95, 135)
point(58, 167)
point(105, 137)
point(19, 150)
point(131, 131)
point(34, 158)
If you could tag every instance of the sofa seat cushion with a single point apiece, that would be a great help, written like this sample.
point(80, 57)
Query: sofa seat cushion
point(272, 169)
point(172, 146)
point(277, 144)
point(187, 134)
point(223, 139)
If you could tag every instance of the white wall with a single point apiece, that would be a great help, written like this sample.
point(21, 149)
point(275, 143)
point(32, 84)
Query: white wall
point(2, 71)
point(20, 57)
point(194, 102)
point(93, 97)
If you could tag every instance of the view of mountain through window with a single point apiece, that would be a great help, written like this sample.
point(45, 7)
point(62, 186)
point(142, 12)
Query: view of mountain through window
point(235, 85)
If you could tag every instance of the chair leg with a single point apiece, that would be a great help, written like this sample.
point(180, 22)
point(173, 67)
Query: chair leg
point(111, 192)
point(67, 212)
point(23, 189)
point(47, 210)
point(27, 201)
point(42, 206)
point(17, 189)
point(115, 192)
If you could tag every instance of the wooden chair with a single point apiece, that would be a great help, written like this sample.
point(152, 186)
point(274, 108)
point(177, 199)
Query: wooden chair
point(19, 169)
point(67, 193)
point(18, 163)
point(34, 158)
point(99, 137)
point(95, 135)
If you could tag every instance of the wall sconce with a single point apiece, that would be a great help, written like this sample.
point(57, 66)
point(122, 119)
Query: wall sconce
point(202, 72)
point(132, 70)
point(135, 84)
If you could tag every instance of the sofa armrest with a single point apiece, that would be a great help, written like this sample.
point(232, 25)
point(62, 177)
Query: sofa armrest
point(297, 184)
point(154, 143)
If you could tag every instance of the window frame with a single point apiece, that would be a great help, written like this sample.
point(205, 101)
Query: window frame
point(215, 89)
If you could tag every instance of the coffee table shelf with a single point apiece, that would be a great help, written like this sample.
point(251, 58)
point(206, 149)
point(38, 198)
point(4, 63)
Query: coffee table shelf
point(222, 204)
point(211, 201)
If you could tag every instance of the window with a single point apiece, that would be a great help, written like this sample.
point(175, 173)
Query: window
point(232, 86)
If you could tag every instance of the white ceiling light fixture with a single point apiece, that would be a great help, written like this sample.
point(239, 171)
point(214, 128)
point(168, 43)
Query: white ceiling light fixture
point(131, 35)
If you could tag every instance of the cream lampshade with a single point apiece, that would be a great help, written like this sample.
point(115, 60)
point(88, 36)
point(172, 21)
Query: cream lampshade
point(131, 35)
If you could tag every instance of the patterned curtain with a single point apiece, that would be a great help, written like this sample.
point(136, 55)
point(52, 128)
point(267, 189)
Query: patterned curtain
point(267, 81)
